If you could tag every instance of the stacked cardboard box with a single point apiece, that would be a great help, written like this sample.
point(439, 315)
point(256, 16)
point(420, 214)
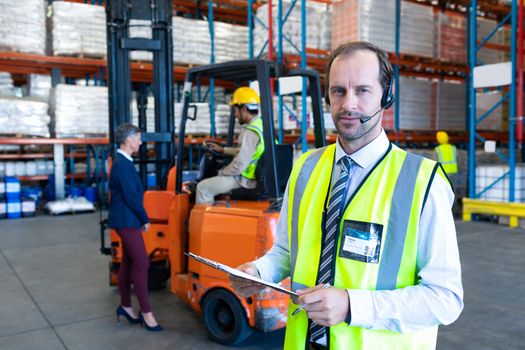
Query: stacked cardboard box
point(452, 37)
point(374, 21)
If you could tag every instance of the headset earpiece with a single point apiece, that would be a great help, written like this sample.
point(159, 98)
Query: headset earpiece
point(388, 98)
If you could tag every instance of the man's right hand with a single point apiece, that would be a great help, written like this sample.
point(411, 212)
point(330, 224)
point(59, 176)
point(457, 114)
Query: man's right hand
point(243, 287)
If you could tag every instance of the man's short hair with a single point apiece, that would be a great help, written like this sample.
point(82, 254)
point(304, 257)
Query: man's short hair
point(386, 71)
point(123, 131)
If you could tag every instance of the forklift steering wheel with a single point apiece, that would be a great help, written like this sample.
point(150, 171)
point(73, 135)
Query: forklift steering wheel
point(211, 150)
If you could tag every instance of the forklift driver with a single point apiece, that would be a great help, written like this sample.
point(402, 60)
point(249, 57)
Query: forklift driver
point(241, 170)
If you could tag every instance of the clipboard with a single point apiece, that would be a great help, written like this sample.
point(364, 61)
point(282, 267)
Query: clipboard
point(237, 273)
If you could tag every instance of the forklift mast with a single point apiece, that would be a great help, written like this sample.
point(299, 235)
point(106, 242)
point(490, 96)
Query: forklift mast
point(119, 13)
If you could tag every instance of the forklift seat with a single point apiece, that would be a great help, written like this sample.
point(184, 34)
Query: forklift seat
point(283, 163)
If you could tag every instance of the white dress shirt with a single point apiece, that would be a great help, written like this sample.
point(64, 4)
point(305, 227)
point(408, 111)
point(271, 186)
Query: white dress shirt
point(127, 156)
point(437, 298)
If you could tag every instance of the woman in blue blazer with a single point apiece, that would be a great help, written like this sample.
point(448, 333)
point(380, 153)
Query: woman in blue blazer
point(128, 217)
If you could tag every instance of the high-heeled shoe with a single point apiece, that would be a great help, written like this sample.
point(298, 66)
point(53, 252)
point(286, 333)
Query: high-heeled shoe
point(121, 312)
point(157, 328)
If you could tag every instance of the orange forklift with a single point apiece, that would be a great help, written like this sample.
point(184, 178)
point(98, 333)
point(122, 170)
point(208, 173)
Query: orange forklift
point(238, 227)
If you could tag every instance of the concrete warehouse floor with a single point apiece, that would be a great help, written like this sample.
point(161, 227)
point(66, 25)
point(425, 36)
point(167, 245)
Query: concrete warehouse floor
point(54, 293)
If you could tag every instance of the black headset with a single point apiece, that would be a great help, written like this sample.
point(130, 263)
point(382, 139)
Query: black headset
point(387, 100)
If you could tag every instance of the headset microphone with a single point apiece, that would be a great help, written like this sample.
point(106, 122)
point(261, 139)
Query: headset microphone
point(368, 117)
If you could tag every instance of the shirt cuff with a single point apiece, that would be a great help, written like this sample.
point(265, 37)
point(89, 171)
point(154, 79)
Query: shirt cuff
point(361, 308)
point(231, 151)
point(264, 271)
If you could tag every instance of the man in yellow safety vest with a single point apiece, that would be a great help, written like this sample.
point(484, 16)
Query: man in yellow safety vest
point(446, 153)
point(366, 231)
point(240, 172)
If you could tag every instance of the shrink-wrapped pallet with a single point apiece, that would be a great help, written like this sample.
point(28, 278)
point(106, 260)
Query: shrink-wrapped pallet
point(191, 41)
point(452, 37)
point(231, 42)
point(451, 113)
point(484, 102)
point(39, 86)
point(78, 29)
point(140, 28)
point(415, 104)
point(494, 54)
point(79, 111)
point(24, 116)
point(23, 26)
point(374, 21)
point(6, 84)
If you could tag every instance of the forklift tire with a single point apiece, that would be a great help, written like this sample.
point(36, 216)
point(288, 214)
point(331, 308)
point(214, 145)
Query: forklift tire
point(158, 274)
point(224, 318)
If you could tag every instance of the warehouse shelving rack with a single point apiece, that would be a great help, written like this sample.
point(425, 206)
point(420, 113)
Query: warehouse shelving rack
point(515, 94)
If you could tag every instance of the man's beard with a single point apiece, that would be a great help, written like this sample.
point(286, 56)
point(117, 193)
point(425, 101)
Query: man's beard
point(363, 129)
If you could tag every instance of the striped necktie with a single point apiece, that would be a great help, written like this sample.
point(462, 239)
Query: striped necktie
point(337, 197)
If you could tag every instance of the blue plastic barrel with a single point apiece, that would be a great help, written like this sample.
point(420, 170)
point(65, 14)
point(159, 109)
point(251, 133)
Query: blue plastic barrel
point(12, 189)
point(3, 209)
point(14, 209)
point(90, 193)
point(31, 192)
point(2, 188)
point(74, 191)
point(28, 207)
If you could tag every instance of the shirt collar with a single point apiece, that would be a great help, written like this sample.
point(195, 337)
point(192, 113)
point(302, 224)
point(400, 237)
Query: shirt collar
point(127, 156)
point(367, 155)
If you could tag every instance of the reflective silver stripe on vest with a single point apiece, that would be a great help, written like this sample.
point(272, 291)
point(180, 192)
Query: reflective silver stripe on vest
point(398, 223)
point(300, 185)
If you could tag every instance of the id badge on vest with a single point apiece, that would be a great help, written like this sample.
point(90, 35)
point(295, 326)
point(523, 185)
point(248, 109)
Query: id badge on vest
point(361, 241)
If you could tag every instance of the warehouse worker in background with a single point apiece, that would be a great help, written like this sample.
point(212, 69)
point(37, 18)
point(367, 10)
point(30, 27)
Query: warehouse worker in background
point(366, 231)
point(446, 154)
point(241, 170)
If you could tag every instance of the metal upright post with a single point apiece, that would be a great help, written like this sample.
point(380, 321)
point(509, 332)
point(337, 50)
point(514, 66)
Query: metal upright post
point(512, 116)
point(519, 88)
point(212, 60)
point(472, 60)
point(250, 29)
point(304, 121)
point(396, 69)
point(280, 60)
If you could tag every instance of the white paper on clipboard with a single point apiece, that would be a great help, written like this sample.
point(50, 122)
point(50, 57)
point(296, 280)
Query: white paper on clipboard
point(235, 272)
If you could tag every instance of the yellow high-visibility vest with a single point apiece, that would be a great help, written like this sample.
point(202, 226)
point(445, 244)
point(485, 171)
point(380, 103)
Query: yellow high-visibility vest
point(446, 155)
point(256, 126)
point(386, 206)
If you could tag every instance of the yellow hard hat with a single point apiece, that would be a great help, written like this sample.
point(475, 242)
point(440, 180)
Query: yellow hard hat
point(245, 96)
point(442, 137)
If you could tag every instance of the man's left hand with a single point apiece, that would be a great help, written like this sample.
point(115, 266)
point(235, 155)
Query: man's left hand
point(212, 146)
point(325, 306)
